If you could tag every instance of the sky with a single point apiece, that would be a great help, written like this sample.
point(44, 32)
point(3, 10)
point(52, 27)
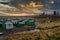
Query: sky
point(27, 1)
point(55, 6)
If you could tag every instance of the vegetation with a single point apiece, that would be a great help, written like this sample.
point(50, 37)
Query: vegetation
point(48, 31)
point(24, 36)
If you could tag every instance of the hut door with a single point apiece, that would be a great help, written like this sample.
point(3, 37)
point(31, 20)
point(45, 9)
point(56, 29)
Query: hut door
point(9, 26)
point(0, 25)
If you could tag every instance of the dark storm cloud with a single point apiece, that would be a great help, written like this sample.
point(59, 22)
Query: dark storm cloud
point(56, 6)
point(26, 1)
point(16, 2)
point(23, 1)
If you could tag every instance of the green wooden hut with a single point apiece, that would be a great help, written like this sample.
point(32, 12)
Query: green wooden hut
point(7, 25)
point(30, 22)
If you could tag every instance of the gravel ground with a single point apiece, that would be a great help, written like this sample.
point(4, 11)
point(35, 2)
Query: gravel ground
point(15, 30)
